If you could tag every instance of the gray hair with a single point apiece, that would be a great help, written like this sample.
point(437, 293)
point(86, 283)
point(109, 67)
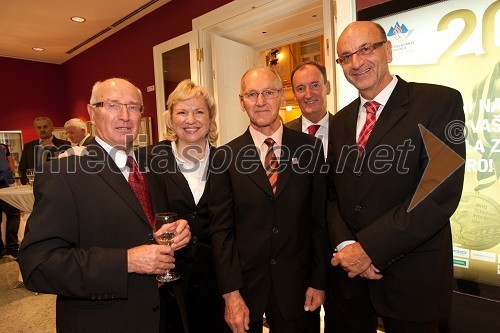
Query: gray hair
point(76, 122)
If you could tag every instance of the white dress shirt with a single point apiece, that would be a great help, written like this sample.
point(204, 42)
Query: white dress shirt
point(381, 98)
point(119, 156)
point(321, 133)
point(262, 148)
point(194, 172)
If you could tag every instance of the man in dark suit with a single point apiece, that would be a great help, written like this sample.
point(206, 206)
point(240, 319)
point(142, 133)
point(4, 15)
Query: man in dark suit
point(97, 253)
point(392, 261)
point(37, 152)
point(310, 88)
point(76, 130)
point(267, 205)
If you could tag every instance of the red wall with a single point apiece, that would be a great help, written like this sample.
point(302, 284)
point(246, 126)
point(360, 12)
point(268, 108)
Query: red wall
point(30, 89)
point(129, 54)
point(61, 92)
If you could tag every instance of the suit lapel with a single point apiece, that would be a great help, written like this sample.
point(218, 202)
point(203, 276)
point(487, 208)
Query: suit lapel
point(392, 112)
point(285, 166)
point(109, 172)
point(249, 160)
point(178, 178)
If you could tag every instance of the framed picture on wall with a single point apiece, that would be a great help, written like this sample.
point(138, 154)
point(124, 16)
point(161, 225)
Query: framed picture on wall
point(145, 136)
point(60, 133)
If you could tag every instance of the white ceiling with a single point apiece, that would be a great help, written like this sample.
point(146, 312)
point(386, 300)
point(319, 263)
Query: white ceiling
point(25, 24)
point(275, 21)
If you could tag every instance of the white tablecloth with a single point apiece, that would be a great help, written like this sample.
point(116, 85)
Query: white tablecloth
point(20, 197)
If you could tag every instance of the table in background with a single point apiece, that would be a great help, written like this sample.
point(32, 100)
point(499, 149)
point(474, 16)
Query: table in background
point(22, 198)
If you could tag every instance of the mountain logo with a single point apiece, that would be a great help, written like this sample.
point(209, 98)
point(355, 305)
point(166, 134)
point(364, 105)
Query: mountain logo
point(399, 32)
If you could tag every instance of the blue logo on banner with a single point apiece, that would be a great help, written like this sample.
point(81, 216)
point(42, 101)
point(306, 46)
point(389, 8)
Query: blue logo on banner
point(398, 32)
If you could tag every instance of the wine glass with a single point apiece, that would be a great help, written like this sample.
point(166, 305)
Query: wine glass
point(30, 173)
point(165, 238)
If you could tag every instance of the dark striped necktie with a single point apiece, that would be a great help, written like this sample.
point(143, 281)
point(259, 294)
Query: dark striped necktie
point(271, 164)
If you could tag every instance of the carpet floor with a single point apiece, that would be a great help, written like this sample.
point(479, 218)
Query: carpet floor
point(21, 310)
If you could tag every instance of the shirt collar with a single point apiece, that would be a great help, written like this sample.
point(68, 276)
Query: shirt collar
point(384, 95)
point(83, 140)
point(119, 156)
point(322, 123)
point(182, 161)
point(259, 138)
point(41, 141)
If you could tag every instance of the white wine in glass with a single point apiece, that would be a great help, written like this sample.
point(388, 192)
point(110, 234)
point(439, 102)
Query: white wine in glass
point(166, 238)
point(30, 174)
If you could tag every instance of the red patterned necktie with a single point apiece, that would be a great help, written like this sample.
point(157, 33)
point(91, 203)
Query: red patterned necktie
point(313, 129)
point(139, 185)
point(271, 164)
point(371, 111)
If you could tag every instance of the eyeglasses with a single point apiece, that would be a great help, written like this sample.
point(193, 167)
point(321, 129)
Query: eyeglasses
point(115, 106)
point(363, 51)
point(268, 94)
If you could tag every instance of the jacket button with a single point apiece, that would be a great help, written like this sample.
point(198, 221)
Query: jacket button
point(194, 239)
point(357, 208)
point(151, 237)
point(275, 230)
point(273, 262)
point(156, 308)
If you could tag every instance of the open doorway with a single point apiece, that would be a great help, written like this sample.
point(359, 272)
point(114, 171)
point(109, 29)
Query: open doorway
point(283, 59)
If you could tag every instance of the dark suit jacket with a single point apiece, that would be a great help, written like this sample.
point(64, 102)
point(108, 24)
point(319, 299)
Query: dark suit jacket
point(413, 249)
point(31, 156)
point(88, 140)
point(196, 291)
point(76, 246)
point(265, 243)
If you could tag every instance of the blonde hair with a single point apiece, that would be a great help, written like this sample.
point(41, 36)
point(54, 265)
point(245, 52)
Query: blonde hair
point(185, 90)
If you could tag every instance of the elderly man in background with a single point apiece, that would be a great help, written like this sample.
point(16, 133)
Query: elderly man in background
point(38, 151)
point(89, 238)
point(76, 130)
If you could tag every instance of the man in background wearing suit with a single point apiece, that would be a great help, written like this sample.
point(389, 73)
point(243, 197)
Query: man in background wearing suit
point(392, 261)
point(310, 88)
point(76, 130)
point(37, 152)
point(89, 237)
point(267, 205)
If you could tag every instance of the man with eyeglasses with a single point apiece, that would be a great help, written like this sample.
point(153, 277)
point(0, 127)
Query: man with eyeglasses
point(39, 151)
point(391, 260)
point(267, 205)
point(89, 238)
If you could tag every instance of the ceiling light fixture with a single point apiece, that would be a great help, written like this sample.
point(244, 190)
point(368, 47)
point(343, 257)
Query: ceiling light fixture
point(39, 49)
point(78, 19)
